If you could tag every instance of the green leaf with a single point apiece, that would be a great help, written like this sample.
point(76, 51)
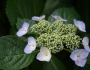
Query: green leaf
point(67, 13)
point(86, 67)
point(21, 21)
point(12, 56)
point(23, 9)
point(88, 59)
point(54, 64)
point(49, 5)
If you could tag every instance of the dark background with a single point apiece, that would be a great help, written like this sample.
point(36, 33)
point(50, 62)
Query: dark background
point(4, 23)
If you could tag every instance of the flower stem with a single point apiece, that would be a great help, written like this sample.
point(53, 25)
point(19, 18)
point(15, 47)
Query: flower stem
point(67, 50)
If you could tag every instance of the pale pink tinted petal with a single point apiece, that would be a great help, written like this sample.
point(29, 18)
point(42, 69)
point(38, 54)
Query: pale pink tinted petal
point(81, 62)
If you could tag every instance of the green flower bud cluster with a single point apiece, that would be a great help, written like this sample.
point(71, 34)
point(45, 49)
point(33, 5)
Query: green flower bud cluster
point(62, 28)
point(42, 27)
point(56, 36)
point(71, 41)
point(52, 41)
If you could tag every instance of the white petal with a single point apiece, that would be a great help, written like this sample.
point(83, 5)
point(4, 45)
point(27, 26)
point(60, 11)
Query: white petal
point(43, 16)
point(29, 49)
point(58, 18)
point(85, 41)
point(79, 54)
point(83, 53)
point(38, 18)
point(45, 50)
point(80, 25)
point(43, 57)
point(21, 32)
point(40, 57)
point(44, 54)
point(75, 22)
point(87, 48)
point(81, 62)
point(32, 41)
point(73, 55)
point(25, 25)
point(31, 46)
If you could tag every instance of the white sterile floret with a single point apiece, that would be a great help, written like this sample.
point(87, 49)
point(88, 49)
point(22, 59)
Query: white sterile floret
point(79, 56)
point(85, 43)
point(58, 18)
point(80, 25)
point(23, 30)
point(31, 46)
point(44, 54)
point(36, 18)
